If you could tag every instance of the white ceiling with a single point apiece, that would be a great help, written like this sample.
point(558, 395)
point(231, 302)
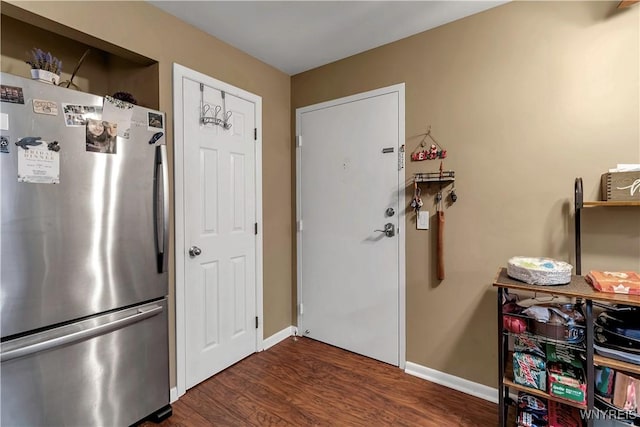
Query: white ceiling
point(295, 36)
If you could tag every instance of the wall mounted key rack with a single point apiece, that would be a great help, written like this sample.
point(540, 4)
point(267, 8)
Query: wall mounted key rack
point(444, 177)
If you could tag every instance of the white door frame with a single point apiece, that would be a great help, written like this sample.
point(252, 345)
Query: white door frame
point(179, 72)
point(399, 88)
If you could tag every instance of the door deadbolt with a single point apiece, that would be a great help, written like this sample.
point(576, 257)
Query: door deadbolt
point(389, 230)
point(194, 251)
point(390, 212)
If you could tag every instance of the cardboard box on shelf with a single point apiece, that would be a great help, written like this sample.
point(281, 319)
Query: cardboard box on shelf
point(567, 382)
point(529, 370)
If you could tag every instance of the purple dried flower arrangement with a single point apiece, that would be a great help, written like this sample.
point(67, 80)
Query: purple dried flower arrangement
point(44, 61)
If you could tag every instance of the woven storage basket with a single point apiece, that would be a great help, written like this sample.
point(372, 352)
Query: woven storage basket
point(539, 271)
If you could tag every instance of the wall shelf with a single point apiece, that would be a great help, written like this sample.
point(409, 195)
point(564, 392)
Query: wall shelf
point(610, 204)
point(539, 393)
point(616, 364)
point(107, 68)
point(510, 383)
point(441, 177)
point(580, 204)
point(577, 288)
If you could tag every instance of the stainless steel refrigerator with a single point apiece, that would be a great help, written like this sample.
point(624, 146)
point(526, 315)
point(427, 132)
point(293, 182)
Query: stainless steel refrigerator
point(83, 259)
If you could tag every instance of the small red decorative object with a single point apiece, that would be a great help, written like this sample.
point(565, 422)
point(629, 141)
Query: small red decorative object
point(434, 151)
point(514, 324)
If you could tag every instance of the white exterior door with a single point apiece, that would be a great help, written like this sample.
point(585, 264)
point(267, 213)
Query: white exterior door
point(220, 224)
point(350, 186)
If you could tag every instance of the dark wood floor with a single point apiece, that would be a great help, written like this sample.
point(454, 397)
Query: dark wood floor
point(302, 382)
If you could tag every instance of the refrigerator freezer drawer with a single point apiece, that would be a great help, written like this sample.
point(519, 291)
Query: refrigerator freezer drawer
point(110, 370)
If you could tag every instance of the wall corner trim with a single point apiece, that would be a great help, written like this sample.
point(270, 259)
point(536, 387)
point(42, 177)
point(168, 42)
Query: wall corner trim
point(173, 394)
point(469, 387)
point(277, 337)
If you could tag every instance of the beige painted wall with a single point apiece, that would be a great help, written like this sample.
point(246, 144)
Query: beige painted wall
point(525, 97)
point(146, 30)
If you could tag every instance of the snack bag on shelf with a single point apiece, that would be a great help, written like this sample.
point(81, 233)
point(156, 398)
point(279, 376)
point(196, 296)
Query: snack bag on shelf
point(527, 344)
point(529, 419)
point(619, 282)
point(563, 416)
point(604, 382)
point(532, 411)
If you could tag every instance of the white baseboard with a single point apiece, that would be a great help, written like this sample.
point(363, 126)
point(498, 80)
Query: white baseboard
point(277, 337)
point(451, 381)
point(173, 394)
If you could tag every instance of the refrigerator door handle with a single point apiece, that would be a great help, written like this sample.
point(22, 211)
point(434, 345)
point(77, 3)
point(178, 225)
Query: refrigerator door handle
point(161, 200)
point(47, 344)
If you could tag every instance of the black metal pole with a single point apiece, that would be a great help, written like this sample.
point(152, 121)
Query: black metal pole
point(502, 412)
point(590, 366)
point(578, 208)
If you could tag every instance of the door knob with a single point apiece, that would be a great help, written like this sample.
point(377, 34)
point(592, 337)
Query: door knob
point(194, 251)
point(389, 230)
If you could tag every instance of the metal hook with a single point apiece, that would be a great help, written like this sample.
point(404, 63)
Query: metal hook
point(453, 194)
point(226, 123)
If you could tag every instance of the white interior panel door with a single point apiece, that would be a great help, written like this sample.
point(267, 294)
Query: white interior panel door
point(348, 175)
point(220, 214)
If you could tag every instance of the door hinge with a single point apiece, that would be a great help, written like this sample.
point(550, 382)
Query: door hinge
point(256, 228)
point(301, 309)
point(201, 87)
point(401, 158)
point(298, 141)
point(256, 322)
point(299, 225)
point(255, 134)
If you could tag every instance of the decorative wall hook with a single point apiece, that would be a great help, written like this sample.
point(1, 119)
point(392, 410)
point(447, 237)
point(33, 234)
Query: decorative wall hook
point(209, 115)
point(225, 121)
point(434, 151)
